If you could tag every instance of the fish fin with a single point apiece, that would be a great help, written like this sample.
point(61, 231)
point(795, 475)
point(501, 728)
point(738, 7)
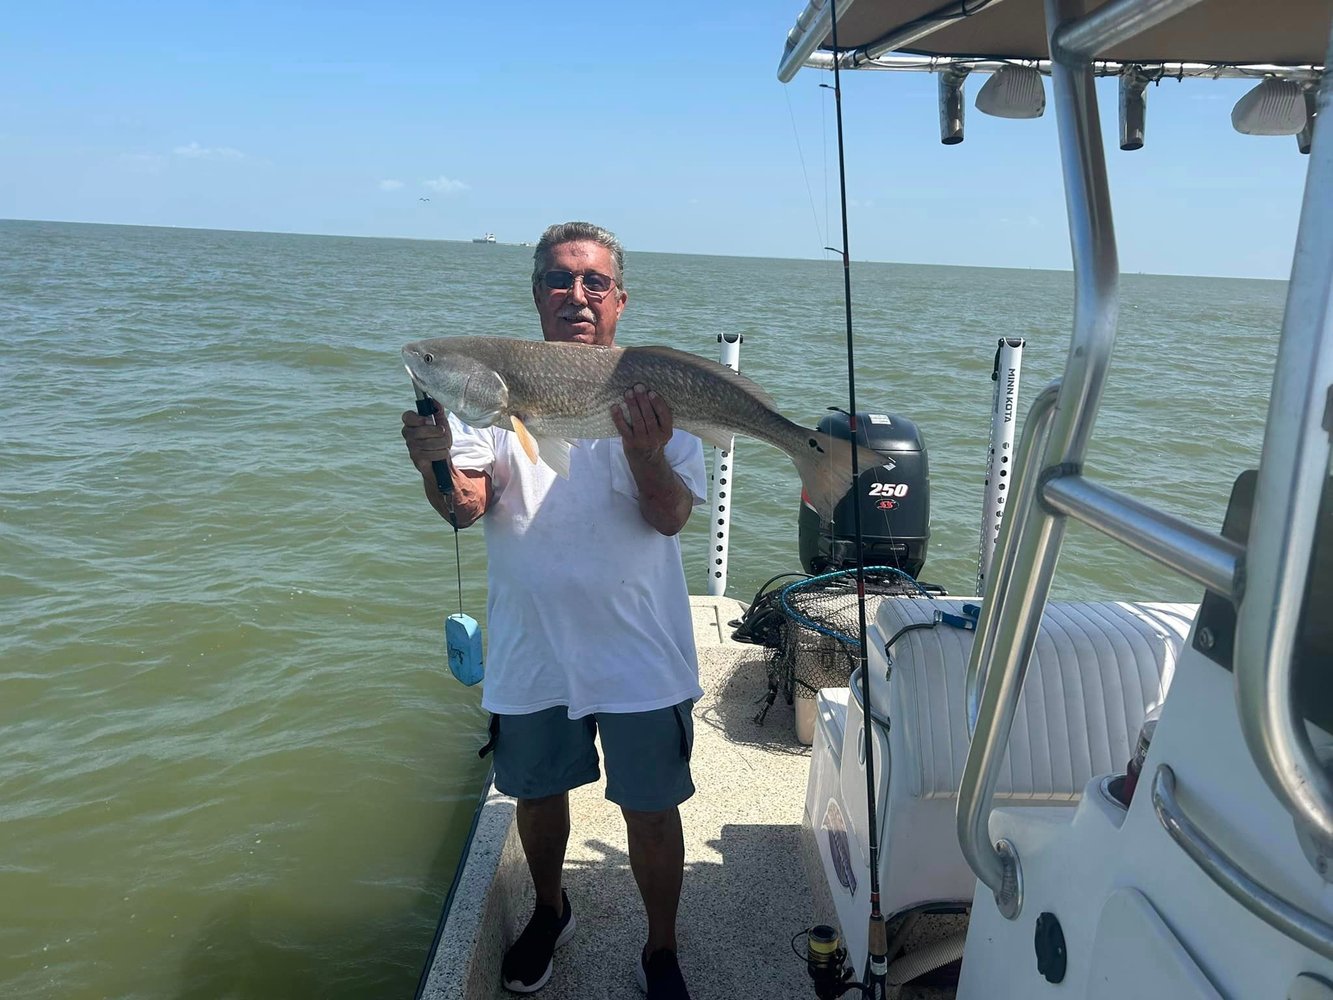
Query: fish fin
point(718, 437)
point(714, 368)
point(826, 469)
point(526, 440)
point(555, 453)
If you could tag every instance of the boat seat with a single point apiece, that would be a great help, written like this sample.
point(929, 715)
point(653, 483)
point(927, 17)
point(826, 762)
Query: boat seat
point(1097, 669)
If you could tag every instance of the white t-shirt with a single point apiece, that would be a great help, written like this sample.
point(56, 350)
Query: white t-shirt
point(587, 603)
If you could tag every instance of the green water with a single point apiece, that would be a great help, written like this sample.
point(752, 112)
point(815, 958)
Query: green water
point(234, 763)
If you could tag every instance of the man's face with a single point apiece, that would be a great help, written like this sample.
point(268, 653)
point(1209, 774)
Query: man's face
point(572, 314)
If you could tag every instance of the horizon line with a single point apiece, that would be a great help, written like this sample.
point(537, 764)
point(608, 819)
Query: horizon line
point(628, 251)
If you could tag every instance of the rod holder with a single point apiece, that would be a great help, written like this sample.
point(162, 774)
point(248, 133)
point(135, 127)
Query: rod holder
point(719, 522)
point(1133, 107)
point(952, 104)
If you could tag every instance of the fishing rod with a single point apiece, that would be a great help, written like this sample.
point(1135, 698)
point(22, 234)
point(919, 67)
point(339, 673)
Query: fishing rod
point(444, 480)
point(823, 954)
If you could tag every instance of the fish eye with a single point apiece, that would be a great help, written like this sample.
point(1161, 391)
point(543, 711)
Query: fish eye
point(428, 358)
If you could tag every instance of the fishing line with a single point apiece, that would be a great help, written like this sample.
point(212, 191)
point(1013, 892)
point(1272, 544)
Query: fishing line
point(462, 635)
point(444, 482)
point(805, 174)
point(823, 108)
point(877, 944)
point(458, 566)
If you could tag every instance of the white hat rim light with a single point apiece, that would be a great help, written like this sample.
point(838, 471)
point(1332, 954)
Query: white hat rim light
point(1013, 92)
point(1275, 107)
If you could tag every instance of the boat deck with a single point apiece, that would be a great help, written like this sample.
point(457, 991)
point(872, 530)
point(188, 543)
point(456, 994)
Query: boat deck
point(746, 891)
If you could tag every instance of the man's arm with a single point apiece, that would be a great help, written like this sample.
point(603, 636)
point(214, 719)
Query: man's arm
point(472, 494)
point(429, 442)
point(645, 427)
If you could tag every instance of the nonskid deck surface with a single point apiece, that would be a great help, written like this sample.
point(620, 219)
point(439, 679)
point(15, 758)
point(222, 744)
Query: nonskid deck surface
point(746, 890)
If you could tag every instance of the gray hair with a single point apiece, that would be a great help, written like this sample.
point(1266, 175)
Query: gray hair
point(569, 232)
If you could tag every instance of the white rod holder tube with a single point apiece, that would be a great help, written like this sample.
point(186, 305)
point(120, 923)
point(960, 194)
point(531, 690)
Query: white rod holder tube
point(1000, 461)
point(719, 522)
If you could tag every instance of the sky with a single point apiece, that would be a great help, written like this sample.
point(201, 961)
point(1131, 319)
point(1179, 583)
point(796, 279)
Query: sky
point(664, 123)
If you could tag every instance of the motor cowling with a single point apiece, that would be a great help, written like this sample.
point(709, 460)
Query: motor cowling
point(895, 503)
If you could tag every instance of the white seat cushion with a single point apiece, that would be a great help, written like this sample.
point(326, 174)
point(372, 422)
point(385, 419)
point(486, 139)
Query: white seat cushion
point(1096, 670)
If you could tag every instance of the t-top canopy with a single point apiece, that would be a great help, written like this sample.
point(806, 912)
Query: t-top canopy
point(1227, 32)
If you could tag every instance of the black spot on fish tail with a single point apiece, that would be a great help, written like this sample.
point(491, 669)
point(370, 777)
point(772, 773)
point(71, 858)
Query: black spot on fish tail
point(814, 443)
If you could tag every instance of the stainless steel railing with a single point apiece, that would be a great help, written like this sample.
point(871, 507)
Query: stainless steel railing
point(1080, 39)
point(1292, 477)
point(1049, 486)
point(1012, 616)
point(1022, 489)
point(1203, 556)
point(1297, 924)
point(1292, 474)
point(1058, 429)
point(1010, 612)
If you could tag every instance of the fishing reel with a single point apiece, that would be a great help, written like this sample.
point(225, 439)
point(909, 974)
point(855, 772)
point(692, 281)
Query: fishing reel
point(825, 960)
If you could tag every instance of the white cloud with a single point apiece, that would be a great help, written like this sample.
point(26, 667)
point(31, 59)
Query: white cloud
point(444, 185)
point(194, 151)
point(390, 185)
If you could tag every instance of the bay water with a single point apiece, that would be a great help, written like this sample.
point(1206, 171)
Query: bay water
point(235, 764)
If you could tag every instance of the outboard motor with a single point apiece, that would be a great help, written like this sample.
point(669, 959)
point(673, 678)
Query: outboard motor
point(895, 503)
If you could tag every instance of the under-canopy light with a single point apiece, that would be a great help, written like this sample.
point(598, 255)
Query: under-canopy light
point(1275, 107)
point(1013, 92)
point(951, 105)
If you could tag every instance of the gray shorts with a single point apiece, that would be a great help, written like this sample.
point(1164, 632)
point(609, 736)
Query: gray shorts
point(647, 755)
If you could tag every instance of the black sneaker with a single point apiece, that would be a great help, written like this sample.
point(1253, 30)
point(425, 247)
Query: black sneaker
point(527, 964)
point(659, 976)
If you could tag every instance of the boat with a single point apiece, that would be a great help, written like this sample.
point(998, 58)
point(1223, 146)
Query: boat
point(488, 238)
point(1097, 799)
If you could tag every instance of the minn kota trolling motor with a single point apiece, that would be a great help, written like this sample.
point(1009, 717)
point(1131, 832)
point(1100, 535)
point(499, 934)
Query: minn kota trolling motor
point(462, 635)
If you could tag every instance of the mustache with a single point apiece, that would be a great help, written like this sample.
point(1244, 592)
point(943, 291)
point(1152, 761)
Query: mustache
point(578, 316)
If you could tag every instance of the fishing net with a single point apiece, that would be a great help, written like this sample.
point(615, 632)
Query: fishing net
point(812, 629)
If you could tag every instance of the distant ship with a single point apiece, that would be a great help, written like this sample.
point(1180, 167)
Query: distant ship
point(488, 238)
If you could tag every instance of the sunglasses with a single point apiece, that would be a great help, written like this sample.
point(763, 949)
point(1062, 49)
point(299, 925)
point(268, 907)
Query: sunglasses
point(595, 283)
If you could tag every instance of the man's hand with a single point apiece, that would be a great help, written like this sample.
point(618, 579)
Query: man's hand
point(426, 440)
point(644, 423)
point(429, 442)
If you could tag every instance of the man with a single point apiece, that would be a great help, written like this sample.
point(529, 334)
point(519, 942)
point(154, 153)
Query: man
point(589, 620)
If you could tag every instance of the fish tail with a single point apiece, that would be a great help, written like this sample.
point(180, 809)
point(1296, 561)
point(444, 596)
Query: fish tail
point(825, 466)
